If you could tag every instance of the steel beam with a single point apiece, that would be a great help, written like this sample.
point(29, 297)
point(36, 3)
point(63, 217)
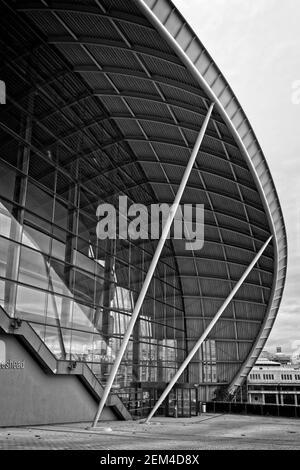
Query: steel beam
point(153, 265)
point(97, 120)
point(71, 8)
point(207, 331)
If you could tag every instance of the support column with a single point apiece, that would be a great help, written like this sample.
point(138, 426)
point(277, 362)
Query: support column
point(153, 264)
point(208, 330)
point(136, 352)
point(281, 399)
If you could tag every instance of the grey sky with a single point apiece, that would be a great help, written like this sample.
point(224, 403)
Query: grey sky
point(256, 44)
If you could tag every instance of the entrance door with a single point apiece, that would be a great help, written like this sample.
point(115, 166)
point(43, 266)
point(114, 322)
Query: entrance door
point(171, 407)
point(182, 402)
point(186, 402)
point(194, 401)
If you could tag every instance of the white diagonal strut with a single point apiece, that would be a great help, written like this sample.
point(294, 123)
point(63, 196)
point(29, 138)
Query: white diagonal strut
point(153, 265)
point(207, 331)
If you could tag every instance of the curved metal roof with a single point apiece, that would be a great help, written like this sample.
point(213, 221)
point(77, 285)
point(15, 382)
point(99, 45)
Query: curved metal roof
point(182, 38)
point(135, 74)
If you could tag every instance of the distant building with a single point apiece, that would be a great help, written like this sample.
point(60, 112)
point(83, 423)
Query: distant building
point(279, 356)
point(271, 382)
point(283, 358)
point(266, 354)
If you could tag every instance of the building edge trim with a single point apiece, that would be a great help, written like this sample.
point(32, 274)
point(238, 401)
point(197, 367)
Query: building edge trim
point(155, 10)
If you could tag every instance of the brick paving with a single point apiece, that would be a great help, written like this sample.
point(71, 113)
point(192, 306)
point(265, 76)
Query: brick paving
point(202, 433)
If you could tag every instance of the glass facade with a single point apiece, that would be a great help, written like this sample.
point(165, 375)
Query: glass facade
point(78, 292)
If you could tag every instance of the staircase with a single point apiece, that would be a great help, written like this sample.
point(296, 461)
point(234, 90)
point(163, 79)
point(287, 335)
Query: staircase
point(25, 334)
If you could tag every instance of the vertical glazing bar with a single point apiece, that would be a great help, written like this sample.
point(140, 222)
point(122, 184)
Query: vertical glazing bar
point(18, 212)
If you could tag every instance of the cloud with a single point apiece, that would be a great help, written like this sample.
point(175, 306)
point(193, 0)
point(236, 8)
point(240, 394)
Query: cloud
point(256, 44)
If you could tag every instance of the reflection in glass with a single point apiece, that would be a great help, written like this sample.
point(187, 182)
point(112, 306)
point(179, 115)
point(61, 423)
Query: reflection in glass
point(79, 292)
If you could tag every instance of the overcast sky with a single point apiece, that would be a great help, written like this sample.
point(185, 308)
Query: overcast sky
point(256, 44)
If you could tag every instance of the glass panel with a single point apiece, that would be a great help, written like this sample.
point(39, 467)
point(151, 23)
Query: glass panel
point(84, 286)
point(31, 304)
point(57, 341)
point(81, 290)
point(38, 222)
point(41, 171)
point(61, 215)
point(179, 402)
point(38, 201)
point(5, 220)
point(2, 290)
point(82, 345)
point(83, 316)
point(193, 395)
point(54, 308)
point(58, 249)
point(186, 402)
point(36, 239)
point(4, 246)
point(57, 273)
point(7, 181)
point(33, 269)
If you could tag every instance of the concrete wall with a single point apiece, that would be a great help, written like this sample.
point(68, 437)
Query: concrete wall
point(29, 396)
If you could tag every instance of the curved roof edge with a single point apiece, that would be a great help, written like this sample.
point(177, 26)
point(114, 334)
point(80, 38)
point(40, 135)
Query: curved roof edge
point(166, 18)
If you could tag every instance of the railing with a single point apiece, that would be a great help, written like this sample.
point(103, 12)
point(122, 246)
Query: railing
point(287, 411)
point(23, 328)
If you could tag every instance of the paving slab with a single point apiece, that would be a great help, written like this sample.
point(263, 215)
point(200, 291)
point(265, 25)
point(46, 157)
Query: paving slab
point(206, 432)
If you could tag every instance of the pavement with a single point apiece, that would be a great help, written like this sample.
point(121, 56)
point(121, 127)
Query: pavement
point(206, 432)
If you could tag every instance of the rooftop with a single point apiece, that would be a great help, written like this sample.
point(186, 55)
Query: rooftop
point(267, 363)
